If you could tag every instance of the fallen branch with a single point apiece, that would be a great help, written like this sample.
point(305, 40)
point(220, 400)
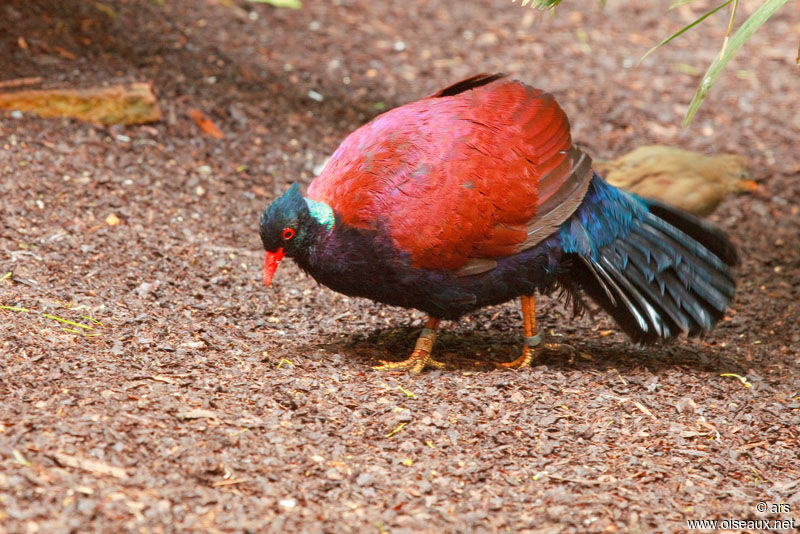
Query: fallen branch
point(134, 104)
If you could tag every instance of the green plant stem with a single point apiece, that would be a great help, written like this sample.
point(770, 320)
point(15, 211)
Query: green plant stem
point(745, 31)
point(685, 29)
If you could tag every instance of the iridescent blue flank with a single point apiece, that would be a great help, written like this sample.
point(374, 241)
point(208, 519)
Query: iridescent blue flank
point(605, 215)
point(321, 212)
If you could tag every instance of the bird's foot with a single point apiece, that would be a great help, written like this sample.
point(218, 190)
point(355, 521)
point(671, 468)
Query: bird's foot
point(524, 360)
point(415, 363)
point(529, 352)
point(419, 359)
point(532, 349)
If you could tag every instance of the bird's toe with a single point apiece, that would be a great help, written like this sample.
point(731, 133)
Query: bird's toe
point(415, 363)
point(522, 361)
point(529, 354)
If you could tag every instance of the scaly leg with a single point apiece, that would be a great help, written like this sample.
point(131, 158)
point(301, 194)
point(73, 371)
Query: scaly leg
point(421, 357)
point(532, 337)
point(533, 345)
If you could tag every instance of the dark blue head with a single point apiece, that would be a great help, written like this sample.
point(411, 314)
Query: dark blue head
point(286, 229)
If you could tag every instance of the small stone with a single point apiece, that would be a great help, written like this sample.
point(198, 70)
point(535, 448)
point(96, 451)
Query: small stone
point(487, 39)
point(163, 506)
point(319, 168)
point(144, 289)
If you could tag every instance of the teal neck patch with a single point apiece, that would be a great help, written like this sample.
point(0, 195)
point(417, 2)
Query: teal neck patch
point(321, 212)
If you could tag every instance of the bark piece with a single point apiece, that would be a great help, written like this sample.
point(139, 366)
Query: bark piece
point(118, 104)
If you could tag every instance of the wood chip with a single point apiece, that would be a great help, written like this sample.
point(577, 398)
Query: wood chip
point(749, 446)
point(19, 82)
point(206, 124)
point(644, 410)
point(165, 379)
point(198, 413)
point(229, 482)
point(92, 466)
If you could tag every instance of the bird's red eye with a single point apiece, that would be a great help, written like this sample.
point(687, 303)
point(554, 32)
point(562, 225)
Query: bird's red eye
point(288, 233)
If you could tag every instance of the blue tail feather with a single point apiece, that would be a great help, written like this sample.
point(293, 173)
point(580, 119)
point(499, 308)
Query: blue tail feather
point(656, 270)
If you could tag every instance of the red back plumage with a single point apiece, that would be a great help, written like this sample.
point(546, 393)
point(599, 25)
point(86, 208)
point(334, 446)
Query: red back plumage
point(479, 170)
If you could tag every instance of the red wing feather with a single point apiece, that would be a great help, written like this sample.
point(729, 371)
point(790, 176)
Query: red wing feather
point(459, 175)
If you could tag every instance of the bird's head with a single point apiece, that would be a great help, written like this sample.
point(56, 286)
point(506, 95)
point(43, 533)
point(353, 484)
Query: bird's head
point(288, 226)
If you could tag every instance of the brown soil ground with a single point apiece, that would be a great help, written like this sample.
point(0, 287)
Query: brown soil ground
point(200, 401)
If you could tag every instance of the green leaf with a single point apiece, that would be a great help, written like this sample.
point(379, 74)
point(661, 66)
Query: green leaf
point(730, 23)
point(291, 4)
point(693, 24)
point(678, 4)
point(550, 4)
point(745, 31)
point(108, 10)
point(540, 4)
point(685, 68)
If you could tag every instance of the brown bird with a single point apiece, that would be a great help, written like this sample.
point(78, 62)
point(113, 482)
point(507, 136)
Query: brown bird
point(681, 178)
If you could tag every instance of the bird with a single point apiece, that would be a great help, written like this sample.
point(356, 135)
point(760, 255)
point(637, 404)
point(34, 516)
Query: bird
point(475, 196)
point(681, 178)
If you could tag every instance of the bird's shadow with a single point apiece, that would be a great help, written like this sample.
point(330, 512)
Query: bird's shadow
point(479, 350)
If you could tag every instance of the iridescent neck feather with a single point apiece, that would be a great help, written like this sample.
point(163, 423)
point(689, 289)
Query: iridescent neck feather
point(321, 212)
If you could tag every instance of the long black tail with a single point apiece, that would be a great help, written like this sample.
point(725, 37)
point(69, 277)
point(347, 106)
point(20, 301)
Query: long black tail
point(671, 274)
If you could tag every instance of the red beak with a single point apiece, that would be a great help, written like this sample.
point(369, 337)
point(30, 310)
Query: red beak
point(271, 264)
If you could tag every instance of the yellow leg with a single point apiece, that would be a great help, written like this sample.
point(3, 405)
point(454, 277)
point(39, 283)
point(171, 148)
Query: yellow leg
point(532, 337)
point(421, 357)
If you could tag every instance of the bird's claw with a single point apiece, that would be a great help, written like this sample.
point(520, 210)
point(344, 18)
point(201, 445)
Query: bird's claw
point(415, 363)
point(522, 361)
point(421, 357)
point(531, 353)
